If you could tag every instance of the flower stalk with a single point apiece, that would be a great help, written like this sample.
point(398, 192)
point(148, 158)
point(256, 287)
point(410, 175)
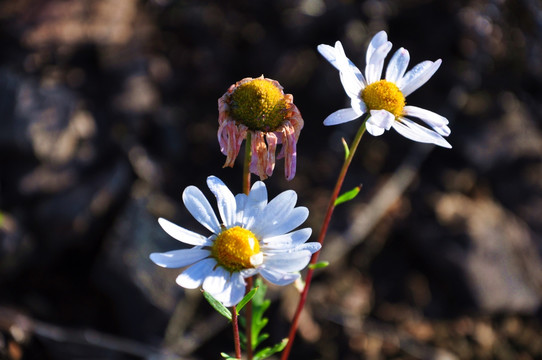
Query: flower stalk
point(236, 338)
point(321, 237)
point(246, 190)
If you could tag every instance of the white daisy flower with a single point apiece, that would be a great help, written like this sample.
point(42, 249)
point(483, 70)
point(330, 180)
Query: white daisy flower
point(385, 99)
point(254, 237)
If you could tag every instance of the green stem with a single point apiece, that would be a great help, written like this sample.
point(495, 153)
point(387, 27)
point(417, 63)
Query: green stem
point(236, 339)
point(321, 237)
point(246, 189)
point(246, 165)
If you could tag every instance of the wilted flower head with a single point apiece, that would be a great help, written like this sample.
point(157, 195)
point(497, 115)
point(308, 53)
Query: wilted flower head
point(384, 99)
point(259, 106)
point(254, 237)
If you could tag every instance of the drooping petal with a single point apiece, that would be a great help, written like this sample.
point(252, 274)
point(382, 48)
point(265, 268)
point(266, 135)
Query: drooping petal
point(287, 241)
point(397, 65)
point(417, 76)
point(288, 262)
point(179, 258)
point(258, 162)
point(182, 234)
point(230, 138)
point(379, 121)
point(341, 116)
point(289, 150)
point(193, 276)
point(294, 116)
point(196, 203)
point(413, 131)
point(279, 278)
point(227, 206)
point(271, 140)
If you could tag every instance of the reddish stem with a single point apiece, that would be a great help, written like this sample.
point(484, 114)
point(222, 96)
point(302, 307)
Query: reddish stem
point(321, 237)
point(236, 339)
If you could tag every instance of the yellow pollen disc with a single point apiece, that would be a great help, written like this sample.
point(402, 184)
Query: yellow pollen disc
point(234, 248)
point(384, 95)
point(259, 104)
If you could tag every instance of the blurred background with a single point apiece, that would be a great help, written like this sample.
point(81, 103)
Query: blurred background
point(108, 110)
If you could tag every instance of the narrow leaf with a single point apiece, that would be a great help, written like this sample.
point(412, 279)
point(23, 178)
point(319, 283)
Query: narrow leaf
point(246, 299)
point(319, 265)
point(226, 356)
point(217, 305)
point(347, 196)
point(268, 351)
point(346, 149)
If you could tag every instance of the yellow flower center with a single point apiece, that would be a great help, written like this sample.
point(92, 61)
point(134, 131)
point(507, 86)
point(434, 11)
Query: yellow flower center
point(259, 104)
point(384, 95)
point(236, 249)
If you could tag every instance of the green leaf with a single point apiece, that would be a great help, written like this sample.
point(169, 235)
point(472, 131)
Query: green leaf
point(246, 299)
point(347, 196)
point(217, 305)
point(226, 356)
point(319, 265)
point(346, 149)
point(268, 351)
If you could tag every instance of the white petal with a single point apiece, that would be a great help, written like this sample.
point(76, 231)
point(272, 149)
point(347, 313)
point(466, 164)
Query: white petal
point(341, 116)
point(256, 202)
point(248, 272)
point(240, 200)
point(373, 129)
point(417, 76)
point(194, 276)
point(216, 281)
point(279, 278)
point(289, 240)
point(275, 212)
point(379, 121)
point(234, 291)
point(287, 262)
point(201, 210)
point(378, 40)
point(225, 200)
point(179, 258)
point(328, 52)
point(351, 85)
point(413, 131)
point(349, 73)
point(358, 106)
point(312, 247)
point(397, 65)
point(373, 68)
point(443, 130)
point(332, 54)
point(437, 122)
point(295, 218)
point(182, 234)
